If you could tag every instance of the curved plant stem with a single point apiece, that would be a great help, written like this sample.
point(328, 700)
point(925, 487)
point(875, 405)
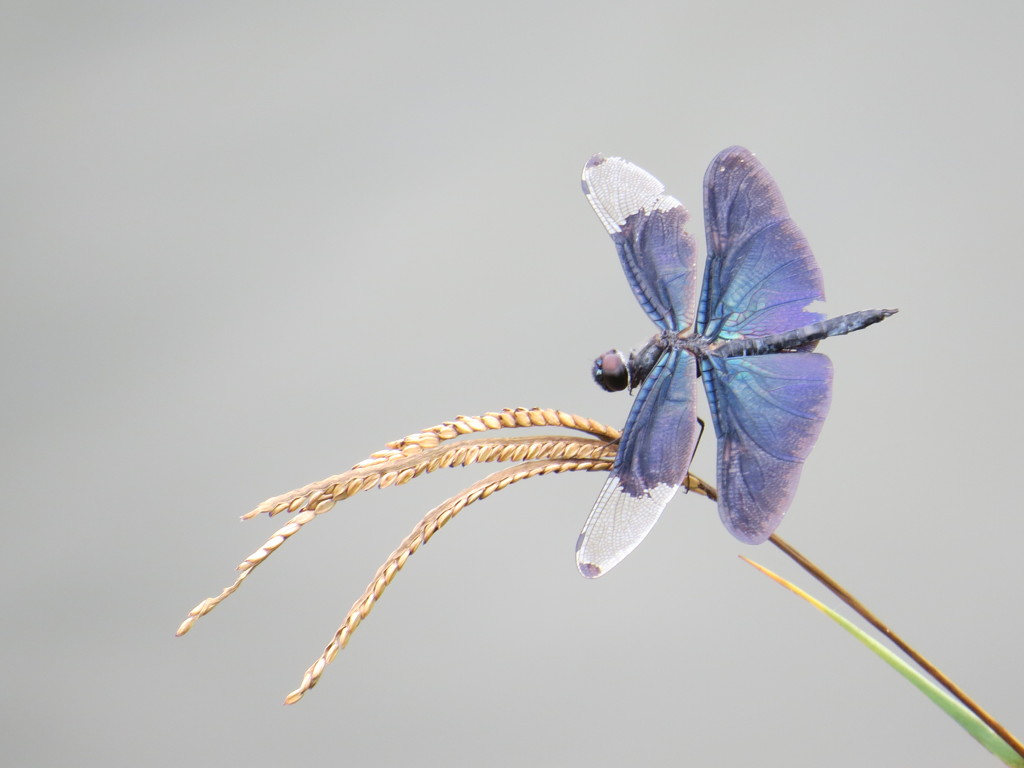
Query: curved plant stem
point(936, 674)
point(426, 451)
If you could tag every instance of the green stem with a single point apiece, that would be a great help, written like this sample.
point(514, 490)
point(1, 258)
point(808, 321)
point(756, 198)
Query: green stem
point(926, 665)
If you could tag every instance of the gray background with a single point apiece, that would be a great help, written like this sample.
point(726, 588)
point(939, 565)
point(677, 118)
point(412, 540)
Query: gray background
point(245, 245)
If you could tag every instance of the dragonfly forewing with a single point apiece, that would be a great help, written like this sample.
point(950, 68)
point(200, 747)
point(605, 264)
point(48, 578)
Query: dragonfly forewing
point(648, 228)
point(760, 272)
point(654, 456)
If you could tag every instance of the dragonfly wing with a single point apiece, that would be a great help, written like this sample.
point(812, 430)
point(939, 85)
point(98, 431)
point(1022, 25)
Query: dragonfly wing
point(648, 228)
point(760, 271)
point(767, 411)
point(654, 456)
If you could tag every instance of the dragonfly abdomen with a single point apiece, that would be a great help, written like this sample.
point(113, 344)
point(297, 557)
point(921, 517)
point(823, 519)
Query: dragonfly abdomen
point(801, 338)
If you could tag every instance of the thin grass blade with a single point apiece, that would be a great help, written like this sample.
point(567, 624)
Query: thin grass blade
point(967, 719)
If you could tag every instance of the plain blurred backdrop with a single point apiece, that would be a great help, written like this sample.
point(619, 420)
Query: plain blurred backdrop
point(245, 244)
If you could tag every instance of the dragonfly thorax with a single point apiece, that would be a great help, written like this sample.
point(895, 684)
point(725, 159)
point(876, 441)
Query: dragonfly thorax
point(614, 372)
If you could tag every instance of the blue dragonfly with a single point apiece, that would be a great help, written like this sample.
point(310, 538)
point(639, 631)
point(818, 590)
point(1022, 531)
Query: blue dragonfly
point(749, 337)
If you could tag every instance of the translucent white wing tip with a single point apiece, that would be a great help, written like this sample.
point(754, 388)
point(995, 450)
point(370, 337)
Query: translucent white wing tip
point(590, 570)
point(618, 522)
point(618, 189)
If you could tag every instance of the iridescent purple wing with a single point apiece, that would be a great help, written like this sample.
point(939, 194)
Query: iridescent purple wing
point(653, 459)
point(648, 228)
point(760, 271)
point(767, 411)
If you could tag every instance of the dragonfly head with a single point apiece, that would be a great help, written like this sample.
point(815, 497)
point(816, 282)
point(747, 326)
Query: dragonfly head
point(611, 371)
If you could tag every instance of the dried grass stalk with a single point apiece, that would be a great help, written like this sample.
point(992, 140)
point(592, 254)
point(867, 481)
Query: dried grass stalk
point(413, 455)
point(401, 460)
point(420, 453)
point(421, 534)
point(431, 523)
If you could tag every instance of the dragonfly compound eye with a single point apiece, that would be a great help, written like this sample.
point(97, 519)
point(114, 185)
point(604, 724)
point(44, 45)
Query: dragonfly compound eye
point(611, 371)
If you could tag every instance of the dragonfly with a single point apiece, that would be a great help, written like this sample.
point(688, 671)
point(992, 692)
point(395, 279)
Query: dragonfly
point(749, 336)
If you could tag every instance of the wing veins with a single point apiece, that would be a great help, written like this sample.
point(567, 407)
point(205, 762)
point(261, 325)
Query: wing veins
point(739, 407)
